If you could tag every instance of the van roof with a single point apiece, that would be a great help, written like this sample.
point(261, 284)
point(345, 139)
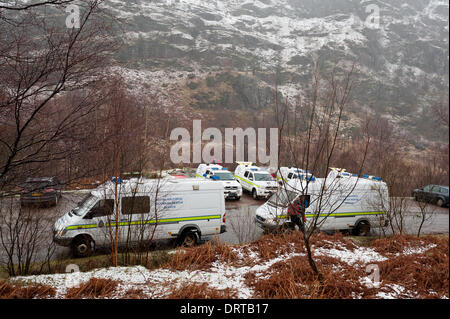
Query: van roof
point(347, 183)
point(152, 185)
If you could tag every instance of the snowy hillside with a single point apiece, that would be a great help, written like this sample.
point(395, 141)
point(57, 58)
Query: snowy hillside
point(401, 55)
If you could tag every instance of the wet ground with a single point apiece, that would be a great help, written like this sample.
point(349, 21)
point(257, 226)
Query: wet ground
point(240, 215)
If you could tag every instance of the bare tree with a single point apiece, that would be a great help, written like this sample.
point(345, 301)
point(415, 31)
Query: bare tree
point(15, 6)
point(49, 79)
point(243, 226)
point(313, 146)
point(25, 239)
point(424, 205)
point(121, 139)
point(41, 60)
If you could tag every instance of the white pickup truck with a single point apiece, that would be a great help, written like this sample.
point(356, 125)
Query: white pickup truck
point(286, 174)
point(216, 172)
point(255, 180)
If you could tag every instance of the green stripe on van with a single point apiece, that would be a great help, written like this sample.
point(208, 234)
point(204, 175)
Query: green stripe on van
point(245, 180)
point(339, 214)
point(152, 221)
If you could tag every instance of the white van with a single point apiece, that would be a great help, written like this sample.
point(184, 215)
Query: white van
point(257, 181)
point(286, 174)
point(348, 202)
point(183, 209)
point(216, 172)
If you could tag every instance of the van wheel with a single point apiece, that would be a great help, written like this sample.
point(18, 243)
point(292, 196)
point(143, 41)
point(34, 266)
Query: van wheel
point(189, 239)
point(254, 194)
point(82, 246)
point(362, 229)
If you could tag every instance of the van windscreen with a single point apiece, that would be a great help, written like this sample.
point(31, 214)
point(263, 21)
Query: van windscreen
point(224, 176)
point(87, 201)
point(263, 177)
point(282, 198)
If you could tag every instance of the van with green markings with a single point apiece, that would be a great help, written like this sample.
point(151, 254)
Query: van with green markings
point(286, 174)
point(341, 201)
point(143, 210)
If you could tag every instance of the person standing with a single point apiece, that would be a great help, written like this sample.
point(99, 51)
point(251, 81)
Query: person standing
point(296, 213)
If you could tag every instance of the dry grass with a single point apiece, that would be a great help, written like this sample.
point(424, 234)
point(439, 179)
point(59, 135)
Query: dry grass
point(8, 291)
point(201, 257)
point(272, 245)
point(135, 293)
point(396, 244)
point(94, 288)
point(294, 279)
point(426, 274)
point(201, 291)
point(422, 273)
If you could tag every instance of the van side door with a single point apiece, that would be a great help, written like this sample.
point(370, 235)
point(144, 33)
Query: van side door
point(251, 179)
point(245, 182)
point(99, 217)
point(136, 219)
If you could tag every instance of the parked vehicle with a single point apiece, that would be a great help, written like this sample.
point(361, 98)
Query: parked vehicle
point(435, 194)
point(181, 209)
point(343, 201)
point(216, 172)
point(41, 191)
point(256, 181)
point(286, 174)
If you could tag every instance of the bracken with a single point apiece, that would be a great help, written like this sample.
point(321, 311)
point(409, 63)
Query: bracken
point(94, 288)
